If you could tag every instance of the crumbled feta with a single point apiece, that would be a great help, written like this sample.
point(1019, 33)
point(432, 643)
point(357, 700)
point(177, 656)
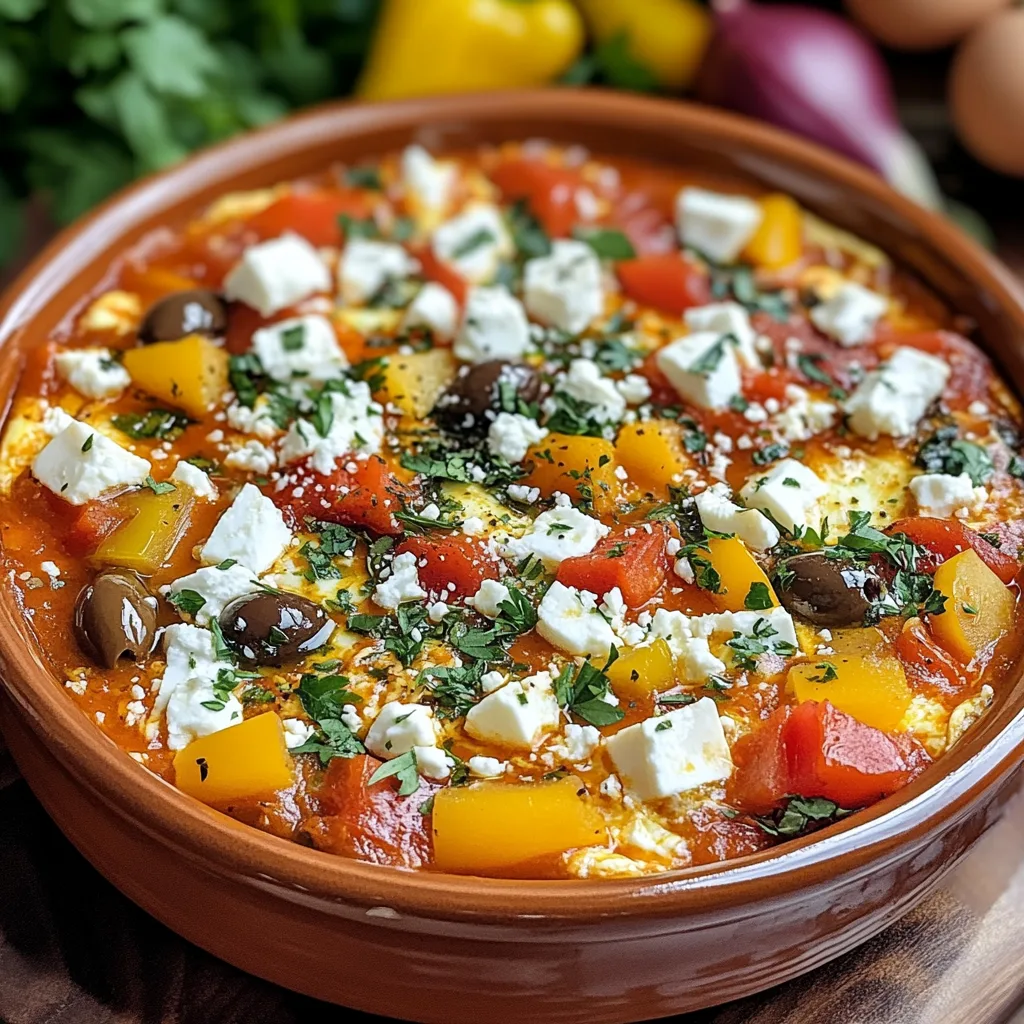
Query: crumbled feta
point(403, 583)
point(804, 417)
point(434, 308)
point(252, 456)
point(850, 315)
point(494, 327)
point(304, 349)
point(366, 265)
point(400, 727)
point(578, 743)
point(79, 464)
point(252, 532)
point(488, 598)
point(474, 242)
point(787, 492)
point(521, 492)
point(634, 388)
point(940, 495)
point(893, 398)
point(92, 372)
point(296, 732)
point(569, 619)
point(428, 183)
point(717, 226)
point(192, 477)
point(703, 368)
point(432, 762)
point(50, 568)
point(217, 587)
point(721, 515)
point(275, 274)
point(492, 680)
point(517, 714)
point(726, 318)
point(511, 436)
point(559, 533)
point(585, 382)
point(486, 767)
point(563, 289)
point(670, 754)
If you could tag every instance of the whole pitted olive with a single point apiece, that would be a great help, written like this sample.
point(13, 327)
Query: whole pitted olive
point(828, 591)
point(470, 403)
point(115, 616)
point(271, 627)
point(198, 311)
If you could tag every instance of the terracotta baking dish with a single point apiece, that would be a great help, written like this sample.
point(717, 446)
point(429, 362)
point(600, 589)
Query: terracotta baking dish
point(460, 950)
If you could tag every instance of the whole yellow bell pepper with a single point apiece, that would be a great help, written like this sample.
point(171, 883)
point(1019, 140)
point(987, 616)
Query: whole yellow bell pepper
point(428, 47)
point(667, 37)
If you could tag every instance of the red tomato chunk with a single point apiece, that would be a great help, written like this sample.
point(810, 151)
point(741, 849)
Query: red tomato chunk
point(550, 192)
point(945, 538)
point(453, 559)
point(669, 282)
point(314, 215)
point(636, 564)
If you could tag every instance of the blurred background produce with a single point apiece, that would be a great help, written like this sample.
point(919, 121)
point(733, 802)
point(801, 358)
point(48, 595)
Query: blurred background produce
point(930, 93)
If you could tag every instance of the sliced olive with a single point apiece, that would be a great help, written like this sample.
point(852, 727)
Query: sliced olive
point(198, 311)
point(470, 403)
point(827, 591)
point(115, 616)
point(271, 628)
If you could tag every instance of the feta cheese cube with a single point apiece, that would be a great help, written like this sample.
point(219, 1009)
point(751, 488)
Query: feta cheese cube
point(893, 398)
point(275, 274)
point(486, 767)
point(722, 515)
point(217, 587)
point(494, 327)
point(804, 417)
point(703, 368)
point(304, 349)
point(578, 743)
point(517, 715)
point(252, 456)
point(192, 477)
point(367, 265)
point(92, 372)
point(585, 382)
point(563, 289)
point(252, 532)
point(79, 464)
point(428, 183)
point(634, 388)
point(717, 226)
point(401, 585)
point(400, 727)
point(474, 242)
point(786, 492)
point(557, 534)
point(727, 318)
point(850, 315)
point(940, 495)
point(673, 753)
point(569, 619)
point(511, 435)
point(434, 308)
point(296, 732)
point(432, 762)
point(488, 598)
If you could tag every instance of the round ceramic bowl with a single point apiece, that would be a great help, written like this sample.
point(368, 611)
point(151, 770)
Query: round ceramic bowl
point(458, 950)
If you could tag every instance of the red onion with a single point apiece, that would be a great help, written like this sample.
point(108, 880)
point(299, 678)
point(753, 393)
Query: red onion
point(817, 75)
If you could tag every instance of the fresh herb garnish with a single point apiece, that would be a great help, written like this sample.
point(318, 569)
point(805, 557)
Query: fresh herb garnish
point(189, 602)
point(583, 693)
point(163, 487)
point(162, 423)
point(759, 598)
point(944, 452)
point(403, 768)
point(608, 243)
point(801, 814)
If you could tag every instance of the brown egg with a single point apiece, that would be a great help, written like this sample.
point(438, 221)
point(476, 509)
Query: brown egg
point(921, 24)
point(986, 92)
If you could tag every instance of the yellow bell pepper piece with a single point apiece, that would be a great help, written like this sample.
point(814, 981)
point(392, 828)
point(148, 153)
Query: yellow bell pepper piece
point(582, 467)
point(247, 761)
point(413, 382)
point(495, 825)
point(147, 540)
point(739, 571)
point(979, 608)
point(190, 374)
point(667, 37)
point(778, 241)
point(651, 452)
point(640, 671)
point(429, 47)
point(870, 687)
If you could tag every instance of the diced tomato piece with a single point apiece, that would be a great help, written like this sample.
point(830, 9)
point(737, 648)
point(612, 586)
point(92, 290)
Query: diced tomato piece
point(314, 215)
point(92, 523)
point(971, 369)
point(550, 192)
point(444, 274)
point(668, 282)
point(645, 225)
point(367, 496)
point(762, 774)
point(926, 664)
point(636, 564)
point(759, 386)
point(945, 538)
point(372, 823)
point(451, 559)
point(662, 392)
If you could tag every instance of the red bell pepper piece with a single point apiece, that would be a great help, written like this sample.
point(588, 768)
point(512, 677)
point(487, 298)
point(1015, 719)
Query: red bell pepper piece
point(945, 538)
point(550, 192)
point(314, 215)
point(634, 562)
point(451, 559)
point(669, 282)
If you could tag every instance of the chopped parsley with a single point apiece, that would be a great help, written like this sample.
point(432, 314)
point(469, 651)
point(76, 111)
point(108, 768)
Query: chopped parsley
point(800, 815)
point(759, 598)
point(583, 693)
point(323, 698)
point(164, 424)
point(402, 768)
point(188, 602)
point(944, 452)
point(608, 243)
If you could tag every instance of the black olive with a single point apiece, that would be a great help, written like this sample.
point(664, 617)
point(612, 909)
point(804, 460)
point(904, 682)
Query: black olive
point(115, 616)
point(827, 591)
point(198, 311)
point(472, 401)
point(271, 628)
